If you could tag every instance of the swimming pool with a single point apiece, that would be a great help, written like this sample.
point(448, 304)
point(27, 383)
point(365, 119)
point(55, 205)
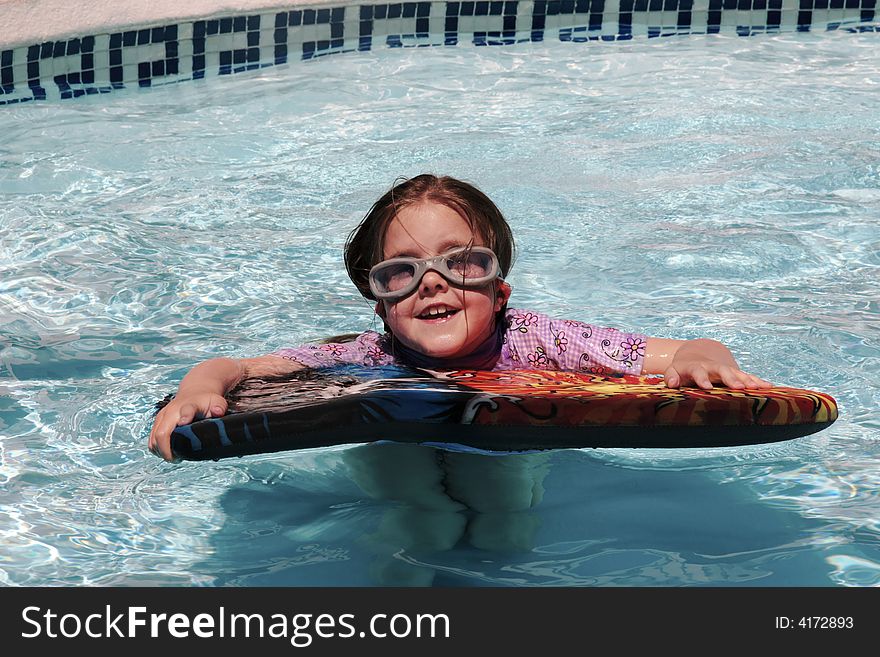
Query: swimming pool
point(676, 186)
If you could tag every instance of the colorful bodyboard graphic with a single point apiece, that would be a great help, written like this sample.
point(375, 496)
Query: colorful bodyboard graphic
point(500, 411)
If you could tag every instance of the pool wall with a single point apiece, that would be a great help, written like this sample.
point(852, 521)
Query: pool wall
point(50, 51)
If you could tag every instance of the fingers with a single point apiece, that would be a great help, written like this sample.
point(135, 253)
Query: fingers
point(703, 376)
point(218, 406)
point(187, 414)
point(735, 378)
point(166, 420)
point(160, 436)
point(672, 378)
point(700, 375)
point(731, 377)
point(682, 376)
point(757, 383)
point(176, 414)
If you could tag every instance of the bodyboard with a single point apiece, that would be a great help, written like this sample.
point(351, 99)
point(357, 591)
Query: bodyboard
point(495, 411)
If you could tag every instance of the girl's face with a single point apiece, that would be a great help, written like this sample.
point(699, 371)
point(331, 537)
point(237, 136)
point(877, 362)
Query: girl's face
point(467, 316)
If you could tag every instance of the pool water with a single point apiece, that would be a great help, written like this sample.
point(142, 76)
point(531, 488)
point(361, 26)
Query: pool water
point(705, 186)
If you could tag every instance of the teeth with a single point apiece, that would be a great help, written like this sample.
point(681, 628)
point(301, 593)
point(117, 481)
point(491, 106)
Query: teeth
point(436, 311)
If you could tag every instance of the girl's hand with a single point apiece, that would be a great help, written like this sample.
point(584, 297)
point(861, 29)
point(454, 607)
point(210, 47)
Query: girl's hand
point(201, 393)
point(699, 362)
point(179, 411)
point(703, 373)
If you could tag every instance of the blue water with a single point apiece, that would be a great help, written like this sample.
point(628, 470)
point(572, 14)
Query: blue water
point(701, 186)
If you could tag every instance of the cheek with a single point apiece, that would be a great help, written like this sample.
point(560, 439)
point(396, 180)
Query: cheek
point(480, 301)
point(394, 312)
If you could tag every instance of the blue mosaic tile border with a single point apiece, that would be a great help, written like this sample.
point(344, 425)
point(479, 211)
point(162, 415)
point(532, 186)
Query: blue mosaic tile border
point(151, 56)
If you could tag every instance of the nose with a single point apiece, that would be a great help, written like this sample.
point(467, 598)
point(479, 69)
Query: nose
point(432, 282)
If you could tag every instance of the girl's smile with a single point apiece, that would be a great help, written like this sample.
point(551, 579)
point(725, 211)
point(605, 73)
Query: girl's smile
point(437, 313)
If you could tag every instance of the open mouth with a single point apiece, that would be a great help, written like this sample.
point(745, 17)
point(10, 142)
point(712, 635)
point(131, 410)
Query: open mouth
point(437, 312)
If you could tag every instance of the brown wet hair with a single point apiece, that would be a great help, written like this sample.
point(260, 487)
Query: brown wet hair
point(364, 247)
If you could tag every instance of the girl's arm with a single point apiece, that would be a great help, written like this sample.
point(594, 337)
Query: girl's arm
point(202, 392)
point(699, 362)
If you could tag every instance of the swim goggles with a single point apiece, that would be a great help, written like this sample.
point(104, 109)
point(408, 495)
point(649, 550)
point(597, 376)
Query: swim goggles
point(466, 267)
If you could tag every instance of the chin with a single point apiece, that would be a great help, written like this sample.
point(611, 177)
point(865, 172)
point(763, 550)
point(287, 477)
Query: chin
point(440, 351)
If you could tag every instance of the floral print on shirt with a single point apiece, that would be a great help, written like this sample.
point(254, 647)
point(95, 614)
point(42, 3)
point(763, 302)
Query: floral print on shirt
point(531, 341)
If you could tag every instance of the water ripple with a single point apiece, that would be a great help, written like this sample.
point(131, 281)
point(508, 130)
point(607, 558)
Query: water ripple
point(204, 220)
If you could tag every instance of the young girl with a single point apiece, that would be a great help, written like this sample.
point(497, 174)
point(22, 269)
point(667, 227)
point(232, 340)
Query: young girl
point(433, 254)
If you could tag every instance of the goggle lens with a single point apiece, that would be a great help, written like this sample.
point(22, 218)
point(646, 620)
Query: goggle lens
point(470, 265)
point(394, 277)
point(466, 267)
